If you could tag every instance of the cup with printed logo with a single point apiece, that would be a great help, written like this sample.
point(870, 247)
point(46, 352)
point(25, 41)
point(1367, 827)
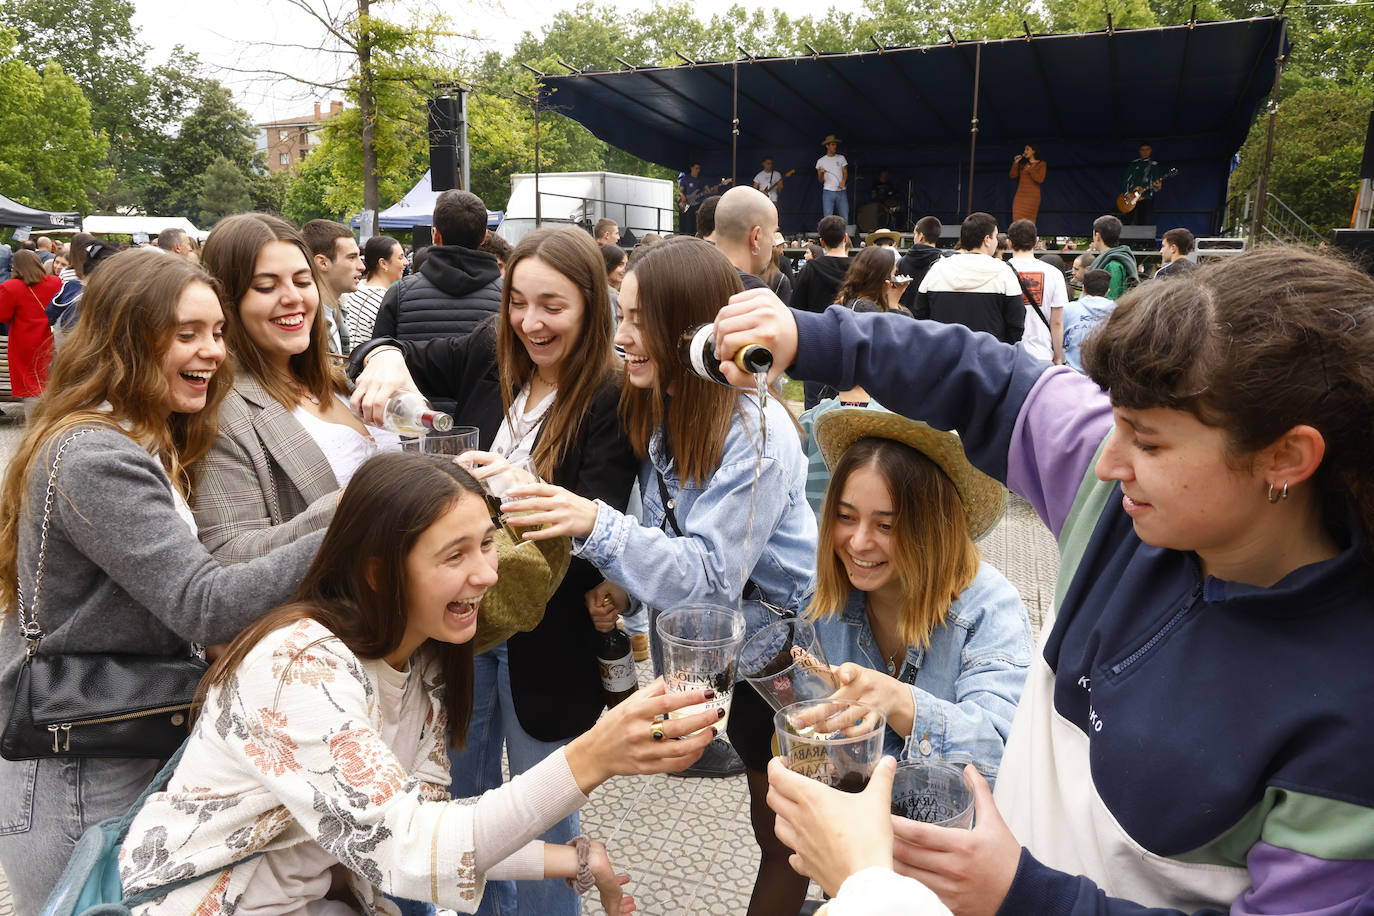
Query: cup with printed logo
point(836, 742)
point(700, 644)
point(932, 792)
point(785, 663)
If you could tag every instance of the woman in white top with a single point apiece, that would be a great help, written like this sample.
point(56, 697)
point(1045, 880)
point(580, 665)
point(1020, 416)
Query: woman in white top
point(384, 261)
point(287, 439)
point(315, 778)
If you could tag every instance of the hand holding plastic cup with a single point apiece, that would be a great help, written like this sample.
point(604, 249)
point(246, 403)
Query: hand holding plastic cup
point(786, 664)
point(835, 742)
point(932, 793)
point(700, 644)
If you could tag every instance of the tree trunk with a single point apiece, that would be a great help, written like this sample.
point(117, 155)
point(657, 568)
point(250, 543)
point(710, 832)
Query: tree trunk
point(367, 110)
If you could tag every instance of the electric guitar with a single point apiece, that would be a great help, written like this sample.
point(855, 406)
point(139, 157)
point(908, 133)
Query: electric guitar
point(1125, 203)
point(788, 174)
point(688, 201)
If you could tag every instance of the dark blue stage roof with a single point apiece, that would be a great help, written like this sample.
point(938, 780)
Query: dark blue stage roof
point(1086, 100)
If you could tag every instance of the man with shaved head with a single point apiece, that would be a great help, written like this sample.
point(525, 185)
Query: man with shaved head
point(745, 223)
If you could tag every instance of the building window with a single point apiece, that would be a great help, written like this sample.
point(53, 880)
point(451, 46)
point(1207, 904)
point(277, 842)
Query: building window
point(285, 159)
point(303, 152)
point(305, 137)
point(283, 134)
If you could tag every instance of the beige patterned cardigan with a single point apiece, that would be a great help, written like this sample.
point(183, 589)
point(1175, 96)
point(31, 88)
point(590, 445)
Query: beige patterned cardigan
point(291, 751)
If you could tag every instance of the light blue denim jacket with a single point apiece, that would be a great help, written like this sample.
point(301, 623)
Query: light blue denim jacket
point(966, 685)
point(717, 552)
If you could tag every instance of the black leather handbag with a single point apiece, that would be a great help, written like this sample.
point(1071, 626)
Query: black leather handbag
point(97, 705)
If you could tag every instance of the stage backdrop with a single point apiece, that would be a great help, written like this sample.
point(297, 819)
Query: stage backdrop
point(1087, 101)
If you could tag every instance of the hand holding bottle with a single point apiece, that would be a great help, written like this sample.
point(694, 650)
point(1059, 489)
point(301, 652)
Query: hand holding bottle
point(383, 376)
point(755, 316)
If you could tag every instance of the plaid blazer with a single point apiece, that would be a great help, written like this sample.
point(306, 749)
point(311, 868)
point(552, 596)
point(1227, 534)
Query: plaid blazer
point(264, 483)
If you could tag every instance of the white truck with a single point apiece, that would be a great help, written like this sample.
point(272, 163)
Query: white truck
point(638, 205)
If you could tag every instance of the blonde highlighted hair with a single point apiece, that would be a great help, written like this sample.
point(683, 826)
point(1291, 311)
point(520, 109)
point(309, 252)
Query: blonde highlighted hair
point(114, 354)
point(932, 554)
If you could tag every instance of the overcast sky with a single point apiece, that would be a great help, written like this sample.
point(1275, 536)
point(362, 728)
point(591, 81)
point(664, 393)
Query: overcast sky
point(237, 39)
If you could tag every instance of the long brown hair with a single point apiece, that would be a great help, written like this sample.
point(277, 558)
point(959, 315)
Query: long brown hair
point(590, 362)
point(114, 353)
point(231, 256)
point(683, 282)
point(27, 268)
point(356, 587)
point(1255, 345)
point(867, 276)
point(933, 556)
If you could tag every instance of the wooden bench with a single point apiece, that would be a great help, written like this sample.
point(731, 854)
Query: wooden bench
point(5, 393)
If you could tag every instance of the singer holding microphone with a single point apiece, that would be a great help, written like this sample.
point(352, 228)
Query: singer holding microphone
point(1029, 170)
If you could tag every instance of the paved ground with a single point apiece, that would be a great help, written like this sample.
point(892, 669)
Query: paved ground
point(686, 842)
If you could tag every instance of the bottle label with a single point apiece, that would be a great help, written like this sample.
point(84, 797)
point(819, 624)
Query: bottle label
point(704, 345)
point(618, 674)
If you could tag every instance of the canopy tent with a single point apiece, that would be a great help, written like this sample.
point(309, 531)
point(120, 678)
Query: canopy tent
point(1087, 100)
point(152, 225)
point(416, 208)
point(16, 214)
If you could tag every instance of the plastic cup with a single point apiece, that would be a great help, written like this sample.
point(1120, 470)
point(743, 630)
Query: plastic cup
point(786, 664)
point(699, 645)
point(514, 474)
point(835, 742)
point(451, 442)
point(932, 793)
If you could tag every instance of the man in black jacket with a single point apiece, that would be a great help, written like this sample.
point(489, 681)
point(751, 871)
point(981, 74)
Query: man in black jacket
point(923, 253)
point(456, 289)
point(818, 282)
point(974, 288)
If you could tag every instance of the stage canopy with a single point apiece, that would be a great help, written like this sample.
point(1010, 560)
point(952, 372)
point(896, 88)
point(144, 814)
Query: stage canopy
point(16, 214)
point(1087, 101)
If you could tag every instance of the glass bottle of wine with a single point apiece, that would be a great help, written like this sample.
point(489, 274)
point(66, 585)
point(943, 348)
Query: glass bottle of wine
point(616, 660)
point(698, 346)
point(407, 413)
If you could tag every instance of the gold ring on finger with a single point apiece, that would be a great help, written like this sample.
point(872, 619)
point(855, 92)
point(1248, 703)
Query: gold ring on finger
point(656, 730)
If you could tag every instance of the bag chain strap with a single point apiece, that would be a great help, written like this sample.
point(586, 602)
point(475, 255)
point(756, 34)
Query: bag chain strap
point(30, 628)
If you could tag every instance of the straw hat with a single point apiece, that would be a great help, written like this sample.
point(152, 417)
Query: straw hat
point(984, 499)
point(873, 237)
point(528, 573)
point(830, 138)
point(778, 239)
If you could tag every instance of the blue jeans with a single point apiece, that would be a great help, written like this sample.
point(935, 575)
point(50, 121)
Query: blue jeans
point(46, 805)
point(835, 202)
point(478, 768)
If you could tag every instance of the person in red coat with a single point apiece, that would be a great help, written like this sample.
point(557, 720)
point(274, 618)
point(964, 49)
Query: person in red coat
point(1029, 170)
point(23, 299)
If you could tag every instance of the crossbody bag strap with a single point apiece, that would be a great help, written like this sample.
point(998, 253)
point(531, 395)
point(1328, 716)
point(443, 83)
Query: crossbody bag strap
point(752, 591)
point(29, 627)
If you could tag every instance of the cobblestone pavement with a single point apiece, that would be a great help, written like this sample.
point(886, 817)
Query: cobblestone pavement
point(687, 843)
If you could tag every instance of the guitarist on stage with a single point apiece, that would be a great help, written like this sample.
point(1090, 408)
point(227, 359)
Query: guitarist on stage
point(689, 197)
point(769, 181)
point(1145, 174)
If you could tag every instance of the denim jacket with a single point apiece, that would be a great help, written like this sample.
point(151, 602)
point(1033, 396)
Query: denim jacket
point(717, 553)
point(966, 685)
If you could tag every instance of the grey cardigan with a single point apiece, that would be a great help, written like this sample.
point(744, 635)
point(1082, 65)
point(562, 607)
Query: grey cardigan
point(265, 482)
point(124, 573)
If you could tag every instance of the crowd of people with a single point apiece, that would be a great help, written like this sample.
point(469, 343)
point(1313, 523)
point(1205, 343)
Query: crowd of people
point(205, 473)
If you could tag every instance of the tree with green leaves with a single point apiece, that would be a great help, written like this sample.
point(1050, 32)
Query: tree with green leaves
point(224, 191)
point(216, 128)
point(49, 151)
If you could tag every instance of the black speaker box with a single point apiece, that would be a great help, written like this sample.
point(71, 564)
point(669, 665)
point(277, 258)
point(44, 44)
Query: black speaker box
point(420, 237)
point(445, 127)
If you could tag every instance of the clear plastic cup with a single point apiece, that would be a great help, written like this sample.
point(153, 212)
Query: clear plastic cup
point(932, 793)
point(836, 742)
point(786, 664)
point(700, 644)
point(452, 442)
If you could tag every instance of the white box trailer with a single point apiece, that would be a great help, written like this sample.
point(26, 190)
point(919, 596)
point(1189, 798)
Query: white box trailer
point(636, 203)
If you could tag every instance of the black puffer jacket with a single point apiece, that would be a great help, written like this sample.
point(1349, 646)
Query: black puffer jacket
point(455, 291)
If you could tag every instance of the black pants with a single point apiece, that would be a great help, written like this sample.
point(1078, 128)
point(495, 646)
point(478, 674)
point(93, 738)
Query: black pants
point(687, 222)
point(1142, 215)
